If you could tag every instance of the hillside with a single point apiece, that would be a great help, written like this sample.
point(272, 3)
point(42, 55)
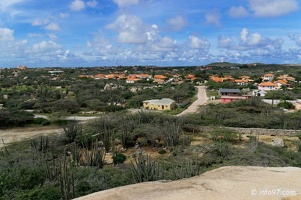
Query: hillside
point(224, 183)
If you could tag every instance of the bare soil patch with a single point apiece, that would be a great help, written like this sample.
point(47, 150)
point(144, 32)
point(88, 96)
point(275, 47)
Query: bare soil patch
point(18, 134)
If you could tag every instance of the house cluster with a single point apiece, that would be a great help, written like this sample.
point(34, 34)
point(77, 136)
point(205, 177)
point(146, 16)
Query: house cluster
point(133, 78)
point(242, 80)
point(269, 82)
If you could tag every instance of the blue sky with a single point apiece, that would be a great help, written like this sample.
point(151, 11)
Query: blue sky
point(73, 33)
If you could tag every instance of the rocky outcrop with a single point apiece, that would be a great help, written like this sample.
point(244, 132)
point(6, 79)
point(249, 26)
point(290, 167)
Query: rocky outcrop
point(235, 183)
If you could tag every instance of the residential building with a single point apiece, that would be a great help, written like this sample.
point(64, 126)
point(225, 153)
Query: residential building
point(241, 81)
point(259, 93)
point(99, 76)
point(286, 77)
point(159, 104)
point(228, 99)
point(132, 78)
point(229, 95)
point(267, 86)
point(268, 77)
point(229, 92)
point(280, 83)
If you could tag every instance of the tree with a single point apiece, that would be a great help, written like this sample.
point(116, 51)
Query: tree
point(286, 105)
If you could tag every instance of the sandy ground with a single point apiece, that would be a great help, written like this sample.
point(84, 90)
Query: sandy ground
point(233, 183)
point(201, 99)
point(18, 134)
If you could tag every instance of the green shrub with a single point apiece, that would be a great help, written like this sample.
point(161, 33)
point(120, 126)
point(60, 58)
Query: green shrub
point(118, 158)
point(162, 151)
point(285, 105)
point(41, 193)
point(41, 121)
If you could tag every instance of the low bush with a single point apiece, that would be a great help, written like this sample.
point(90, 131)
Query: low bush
point(118, 158)
point(162, 151)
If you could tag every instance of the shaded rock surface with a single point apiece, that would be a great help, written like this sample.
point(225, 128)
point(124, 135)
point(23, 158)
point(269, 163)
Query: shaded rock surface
point(233, 182)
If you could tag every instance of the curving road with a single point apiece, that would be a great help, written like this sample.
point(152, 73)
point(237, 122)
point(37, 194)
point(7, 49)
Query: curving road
point(202, 98)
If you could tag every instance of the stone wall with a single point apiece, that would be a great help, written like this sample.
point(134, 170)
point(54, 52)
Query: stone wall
point(256, 131)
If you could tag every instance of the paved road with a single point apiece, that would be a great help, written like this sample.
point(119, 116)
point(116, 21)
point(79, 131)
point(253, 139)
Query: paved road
point(202, 98)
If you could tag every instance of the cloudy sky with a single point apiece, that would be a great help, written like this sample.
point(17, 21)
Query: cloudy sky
point(40, 33)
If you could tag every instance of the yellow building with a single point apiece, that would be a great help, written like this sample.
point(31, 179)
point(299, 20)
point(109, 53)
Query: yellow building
point(159, 104)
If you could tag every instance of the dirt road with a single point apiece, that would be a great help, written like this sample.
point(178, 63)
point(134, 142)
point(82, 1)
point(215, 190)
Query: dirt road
point(18, 134)
point(202, 98)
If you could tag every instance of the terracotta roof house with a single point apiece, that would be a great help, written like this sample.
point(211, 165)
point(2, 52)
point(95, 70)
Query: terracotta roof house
point(267, 86)
point(111, 76)
point(160, 77)
point(286, 78)
point(159, 104)
point(159, 81)
point(216, 79)
point(132, 78)
point(22, 67)
point(241, 81)
point(280, 83)
point(99, 76)
point(268, 77)
point(228, 78)
point(244, 77)
point(190, 77)
point(121, 76)
point(144, 76)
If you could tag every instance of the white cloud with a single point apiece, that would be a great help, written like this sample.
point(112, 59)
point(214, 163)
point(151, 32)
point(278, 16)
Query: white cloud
point(64, 15)
point(164, 44)
point(52, 36)
point(213, 17)
point(35, 35)
point(4, 4)
point(238, 12)
point(177, 23)
point(92, 3)
point(77, 5)
point(292, 36)
point(252, 40)
point(272, 8)
point(225, 42)
point(244, 34)
point(197, 43)
point(10, 6)
point(298, 40)
point(6, 34)
point(125, 3)
point(131, 29)
point(53, 27)
point(45, 46)
point(39, 22)
point(295, 38)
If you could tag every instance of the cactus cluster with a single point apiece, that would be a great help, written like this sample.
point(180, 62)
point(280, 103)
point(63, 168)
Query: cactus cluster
point(145, 169)
point(41, 144)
